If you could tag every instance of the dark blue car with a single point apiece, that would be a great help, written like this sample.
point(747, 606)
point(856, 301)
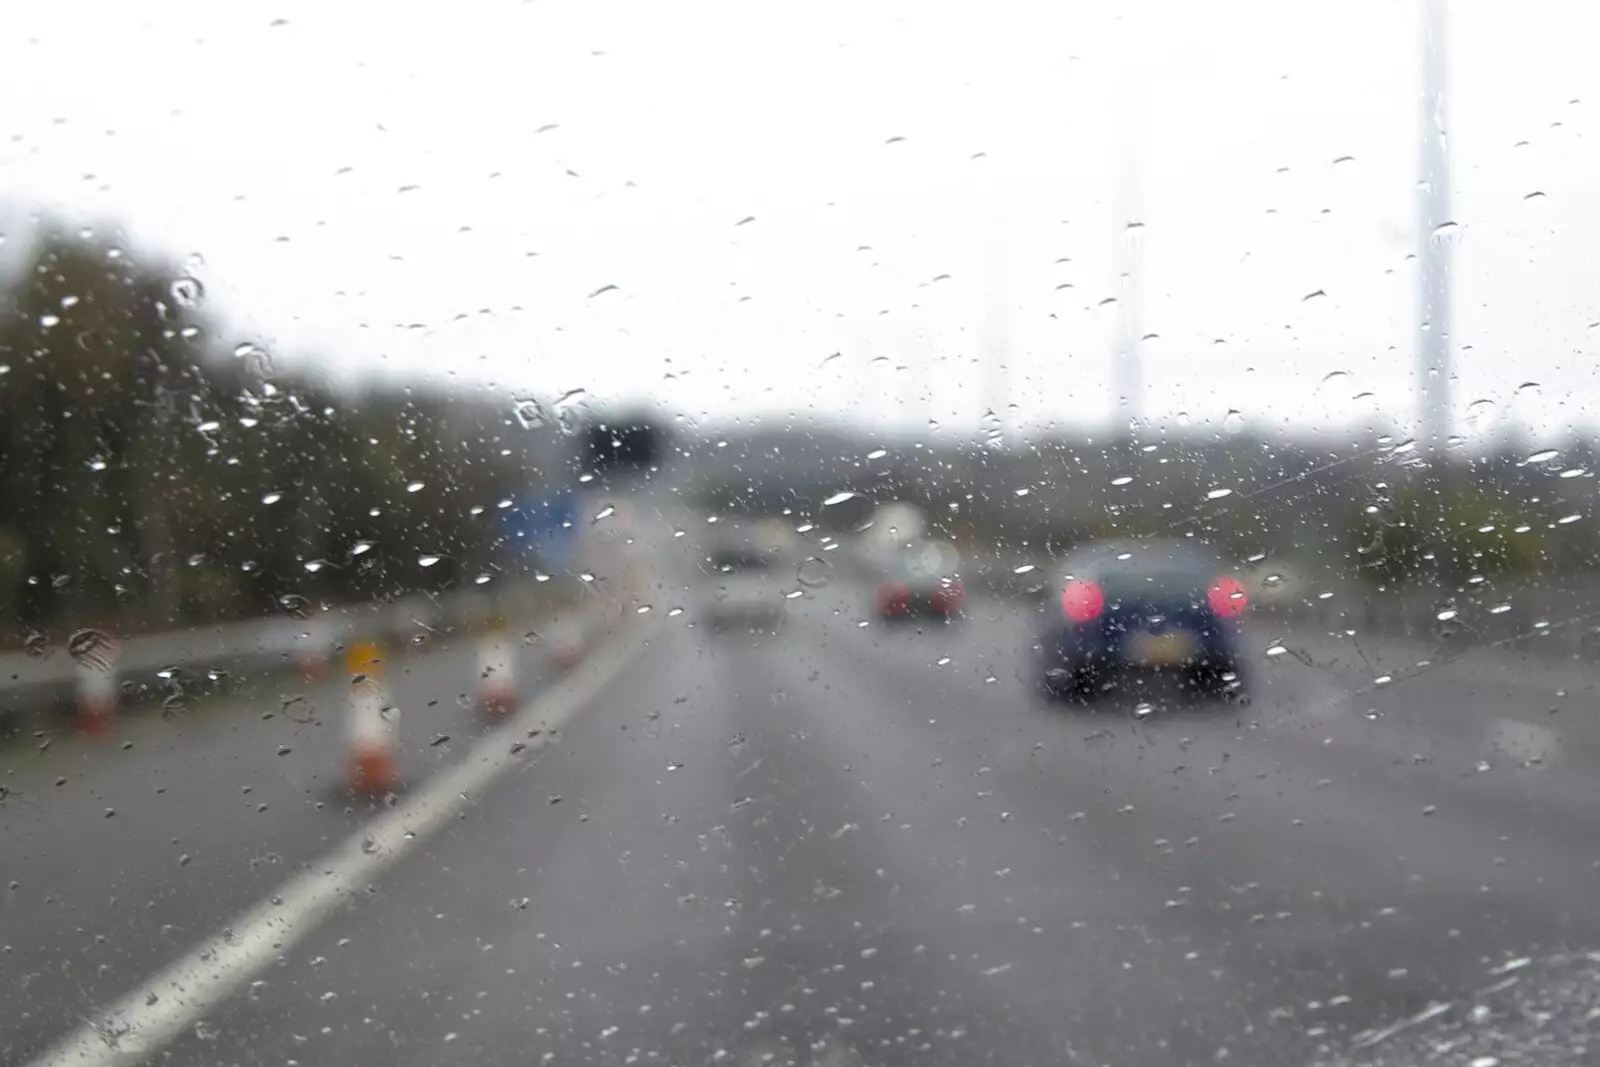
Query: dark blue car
point(1128, 611)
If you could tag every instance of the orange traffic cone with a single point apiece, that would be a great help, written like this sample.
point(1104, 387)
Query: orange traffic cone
point(374, 754)
point(497, 671)
point(94, 657)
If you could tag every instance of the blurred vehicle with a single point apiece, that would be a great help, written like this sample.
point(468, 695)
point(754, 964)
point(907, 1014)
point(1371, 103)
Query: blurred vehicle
point(743, 589)
point(1142, 608)
point(922, 580)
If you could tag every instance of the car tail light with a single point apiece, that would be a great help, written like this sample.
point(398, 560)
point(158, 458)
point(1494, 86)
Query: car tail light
point(892, 596)
point(1226, 596)
point(1082, 600)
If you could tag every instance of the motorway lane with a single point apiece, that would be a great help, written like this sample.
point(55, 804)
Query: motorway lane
point(122, 852)
point(827, 846)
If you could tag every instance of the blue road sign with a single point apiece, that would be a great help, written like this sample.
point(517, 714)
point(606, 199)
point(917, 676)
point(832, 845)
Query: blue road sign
point(547, 525)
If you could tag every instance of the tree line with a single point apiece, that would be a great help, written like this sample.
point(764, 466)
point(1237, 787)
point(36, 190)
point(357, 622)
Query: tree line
point(154, 473)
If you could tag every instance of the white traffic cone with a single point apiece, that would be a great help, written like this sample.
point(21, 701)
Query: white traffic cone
point(373, 755)
point(94, 657)
point(497, 672)
point(311, 647)
point(565, 640)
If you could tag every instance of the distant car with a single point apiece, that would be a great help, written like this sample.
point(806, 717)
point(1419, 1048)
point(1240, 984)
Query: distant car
point(1142, 608)
point(922, 580)
point(742, 589)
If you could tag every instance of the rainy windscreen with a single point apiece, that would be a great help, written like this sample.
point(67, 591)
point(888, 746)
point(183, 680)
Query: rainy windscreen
point(591, 533)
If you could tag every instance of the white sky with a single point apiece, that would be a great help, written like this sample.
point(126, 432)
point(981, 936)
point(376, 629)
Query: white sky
point(366, 182)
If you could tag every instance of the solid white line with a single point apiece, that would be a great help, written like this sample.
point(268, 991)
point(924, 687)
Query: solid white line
point(168, 1003)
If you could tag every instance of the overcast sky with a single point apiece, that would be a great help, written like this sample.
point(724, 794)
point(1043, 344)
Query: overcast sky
point(421, 190)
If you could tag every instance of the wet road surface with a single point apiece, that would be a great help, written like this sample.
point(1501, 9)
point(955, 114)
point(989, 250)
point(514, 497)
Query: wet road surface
point(854, 844)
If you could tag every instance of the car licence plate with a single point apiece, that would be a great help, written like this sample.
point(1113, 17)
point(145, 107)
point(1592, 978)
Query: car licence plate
point(1163, 649)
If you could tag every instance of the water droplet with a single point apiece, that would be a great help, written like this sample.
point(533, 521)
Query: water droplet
point(794, 594)
point(1314, 295)
point(312, 566)
point(1122, 479)
point(1543, 456)
point(1499, 609)
point(427, 561)
point(272, 497)
point(92, 648)
point(482, 579)
point(1528, 387)
point(412, 487)
point(1446, 615)
point(360, 548)
point(877, 453)
point(296, 606)
point(1573, 472)
point(1024, 491)
point(1218, 494)
point(530, 414)
point(1574, 517)
point(604, 513)
point(1026, 568)
point(673, 613)
point(1276, 649)
point(814, 572)
point(1233, 421)
point(839, 498)
point(1446, 231)
point(1143, 709)
point(187, 291)
point(1383, 679)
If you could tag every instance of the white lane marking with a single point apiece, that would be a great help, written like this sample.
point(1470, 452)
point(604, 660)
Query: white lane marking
point(153, 1014)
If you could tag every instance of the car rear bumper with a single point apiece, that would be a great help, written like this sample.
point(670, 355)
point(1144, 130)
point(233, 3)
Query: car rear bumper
point(939, 604)
point(1092, 648)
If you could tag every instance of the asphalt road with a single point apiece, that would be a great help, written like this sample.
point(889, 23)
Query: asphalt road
point(849, 844)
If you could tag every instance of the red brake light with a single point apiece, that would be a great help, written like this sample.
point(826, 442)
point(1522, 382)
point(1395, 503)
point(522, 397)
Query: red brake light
point(1226, 596)
point(893, 596)
point(1082, 600)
